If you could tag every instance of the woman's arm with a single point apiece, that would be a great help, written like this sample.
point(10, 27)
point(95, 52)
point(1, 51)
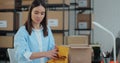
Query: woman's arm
point(50, 54)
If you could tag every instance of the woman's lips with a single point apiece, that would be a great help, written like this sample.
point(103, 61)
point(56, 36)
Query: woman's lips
point(38, 20)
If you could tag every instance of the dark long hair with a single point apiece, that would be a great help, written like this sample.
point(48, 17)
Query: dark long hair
point(28, 23)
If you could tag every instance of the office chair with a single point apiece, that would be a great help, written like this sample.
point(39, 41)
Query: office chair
point(11, 55)
point(3, 54)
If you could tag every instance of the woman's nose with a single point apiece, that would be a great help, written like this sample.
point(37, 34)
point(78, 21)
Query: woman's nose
point(39, 16)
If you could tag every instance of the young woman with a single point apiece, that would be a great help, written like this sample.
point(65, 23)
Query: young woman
point(34, 42)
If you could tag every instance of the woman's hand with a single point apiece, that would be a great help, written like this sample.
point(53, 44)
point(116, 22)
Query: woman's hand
point(53, 54)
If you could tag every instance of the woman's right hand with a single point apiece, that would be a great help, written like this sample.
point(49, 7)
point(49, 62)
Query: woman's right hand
point(53, 54)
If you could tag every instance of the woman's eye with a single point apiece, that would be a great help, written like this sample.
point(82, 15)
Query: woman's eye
point(43, 13)
point(36, 12)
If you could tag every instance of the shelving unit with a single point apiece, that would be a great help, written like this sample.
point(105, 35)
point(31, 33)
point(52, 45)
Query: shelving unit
point(59, 32)
point(9, 23)
point(9, 20)
point(83, 19)
point(62, 26)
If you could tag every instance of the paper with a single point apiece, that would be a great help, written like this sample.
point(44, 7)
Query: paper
point(53, 22)
point(82, 25)
point(82, 3)
point(3, 23)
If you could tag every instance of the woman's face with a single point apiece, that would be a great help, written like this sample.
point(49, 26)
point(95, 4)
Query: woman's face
point(38, 13)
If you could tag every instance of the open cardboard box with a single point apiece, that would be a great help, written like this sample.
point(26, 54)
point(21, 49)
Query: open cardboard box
point(80, 53)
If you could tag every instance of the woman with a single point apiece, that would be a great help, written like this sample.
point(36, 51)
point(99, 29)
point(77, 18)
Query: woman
point(34, 42)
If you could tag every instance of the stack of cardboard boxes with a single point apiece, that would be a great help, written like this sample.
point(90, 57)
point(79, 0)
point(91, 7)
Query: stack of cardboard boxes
point(80, 51)
point(7, 22)
point(57, 21)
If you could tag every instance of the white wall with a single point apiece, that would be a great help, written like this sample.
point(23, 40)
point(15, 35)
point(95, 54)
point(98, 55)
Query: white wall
point(107, 13)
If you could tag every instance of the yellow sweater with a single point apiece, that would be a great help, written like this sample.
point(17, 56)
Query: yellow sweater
point(63, 55)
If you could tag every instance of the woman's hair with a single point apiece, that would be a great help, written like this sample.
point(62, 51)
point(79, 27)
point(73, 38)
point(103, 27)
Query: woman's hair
point(28, 23)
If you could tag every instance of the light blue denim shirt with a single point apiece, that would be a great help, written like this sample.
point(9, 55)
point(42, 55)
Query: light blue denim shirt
point(25, 44)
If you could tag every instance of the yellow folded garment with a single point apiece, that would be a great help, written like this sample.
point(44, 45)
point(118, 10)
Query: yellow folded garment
point(62, 55)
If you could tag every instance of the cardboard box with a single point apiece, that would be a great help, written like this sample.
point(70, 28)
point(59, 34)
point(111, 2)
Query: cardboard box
point(6, 42)
point(24, 17)
point(9, 21)
point(84, 21)
point(26, 2)
point(56, 19)
point(7, 4)
point(6, 21)
point(84, 3)
point(67, 2)
point(58, 37)
point(80, 54)
point(82, 39)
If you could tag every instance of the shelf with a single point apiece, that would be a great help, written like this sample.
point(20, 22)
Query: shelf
point(83, 8)
point(7, 10)
point(59, 31)
point(26, 7)
point(54, 31)
point(83, 29)
point(10, 10)
point(54, 9)
point(74, 4)
point(56, 5)
point(71, 9)
point(4, 31)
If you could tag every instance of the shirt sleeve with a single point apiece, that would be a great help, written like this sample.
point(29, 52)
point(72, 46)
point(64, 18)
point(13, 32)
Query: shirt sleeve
point(27, 55)
point(22, 51)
